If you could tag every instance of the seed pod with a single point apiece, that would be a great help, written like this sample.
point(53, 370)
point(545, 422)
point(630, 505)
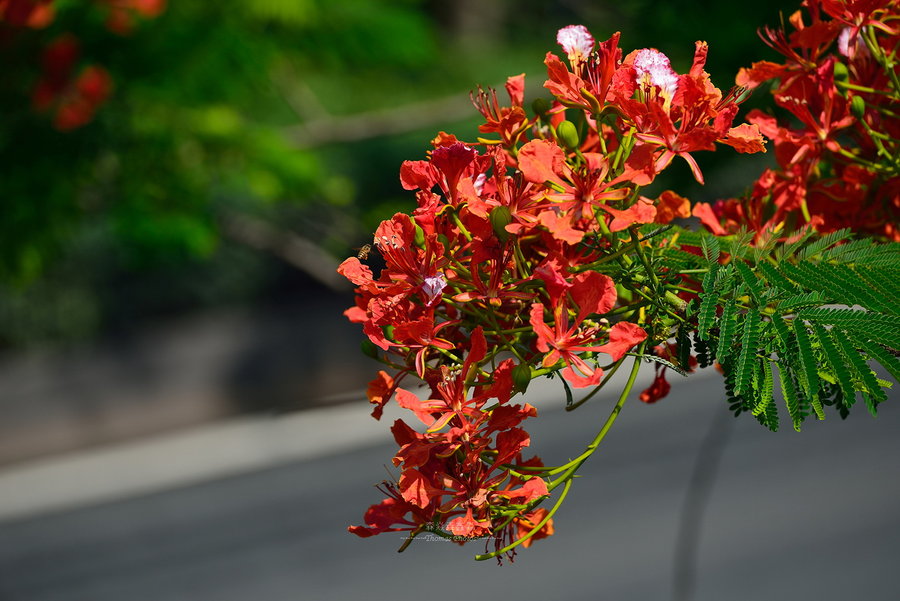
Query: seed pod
point(521, 375)
point(500, 218)
point(568, 135)
point(858, 107)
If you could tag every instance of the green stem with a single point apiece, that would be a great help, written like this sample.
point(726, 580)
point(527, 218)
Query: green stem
point(461, 227)
point(602, 383)
point(635, 237)
point(576, 463)
point(532, 532)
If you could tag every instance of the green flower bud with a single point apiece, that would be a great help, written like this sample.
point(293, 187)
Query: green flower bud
point(521, 375)
point(840, 72)
point(500, 218)
point(568, 135)
point(858, 107)
point(369, 349)
point(540, 106)
point(419, 237)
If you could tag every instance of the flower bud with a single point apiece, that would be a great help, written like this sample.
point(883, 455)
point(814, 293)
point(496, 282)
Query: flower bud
point(858, 107)
point(419, 237)
point(521, 376)
point(568, 135)
point(840, 71)
point(540, 106)
point(369, 349)
point(500, 218)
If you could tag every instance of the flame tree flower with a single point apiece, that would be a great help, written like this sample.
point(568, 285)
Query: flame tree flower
point(533, 253)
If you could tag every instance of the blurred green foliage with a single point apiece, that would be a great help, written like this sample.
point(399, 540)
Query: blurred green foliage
point(212, 117)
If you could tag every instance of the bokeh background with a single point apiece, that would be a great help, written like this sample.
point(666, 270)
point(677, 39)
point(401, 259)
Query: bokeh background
point(178, 182)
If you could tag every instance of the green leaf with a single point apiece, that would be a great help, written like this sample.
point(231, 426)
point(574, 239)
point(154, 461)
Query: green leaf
point(750, 281)
point(683, 342)
point(807, 374)
point(790, 397)
point(661, 361)
point(786, 342)
point(765, 397)
point(703, 352)
point(802, 301)
point(825, 242)
point(773, 276)
point(746, 359)
point(727, 330)
point(763, 250)
point(710, 246)
point(737, 246)
point(884, 329)
point(884, 283)
point(862, 374)
point(708, 301)
point(866, 252)
point(788, 250)
point(835, 360)
point(880, 354)
point(569, 399)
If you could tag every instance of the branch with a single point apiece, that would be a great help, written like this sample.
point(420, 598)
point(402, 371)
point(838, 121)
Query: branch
point(288, 246)
point(385, 122)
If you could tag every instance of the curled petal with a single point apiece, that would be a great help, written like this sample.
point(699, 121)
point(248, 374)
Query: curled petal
point(745, 138)
point(623, 336)
point(418, 175)
point(355, 271)
point(671, 206)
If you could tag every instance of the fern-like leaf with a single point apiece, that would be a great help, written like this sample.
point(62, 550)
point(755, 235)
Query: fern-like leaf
point(750, 280)
point(749, 345)
point(802, 301)
point(825, 242)
point(835, 360)
point(765, 397)
point(683, 345)
point(774, 277)
point(737, 246)
point(865, 252)
point(839, 282)
point(788, 250)
point(790, 396)
point(807, 374)
point(862, 374)
point(710, 247)
point(727, 329)
point(884, 329)
point(708, 301)
point(878, 353)
point(661, 361)
point(885, 283)
point(702, 349)
point(786, 343)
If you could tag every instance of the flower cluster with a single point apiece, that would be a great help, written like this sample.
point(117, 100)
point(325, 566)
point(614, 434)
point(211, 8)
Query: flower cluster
point(501, 275)
point(70, 90)
point(838, 162)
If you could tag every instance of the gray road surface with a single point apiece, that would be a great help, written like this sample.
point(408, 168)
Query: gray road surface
point(791, 516)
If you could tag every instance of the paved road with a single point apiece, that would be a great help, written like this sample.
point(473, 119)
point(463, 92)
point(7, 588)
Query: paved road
point(791, 516)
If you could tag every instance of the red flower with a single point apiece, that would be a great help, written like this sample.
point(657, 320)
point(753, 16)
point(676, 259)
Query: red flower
point(595, 294)
point(683, 113)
